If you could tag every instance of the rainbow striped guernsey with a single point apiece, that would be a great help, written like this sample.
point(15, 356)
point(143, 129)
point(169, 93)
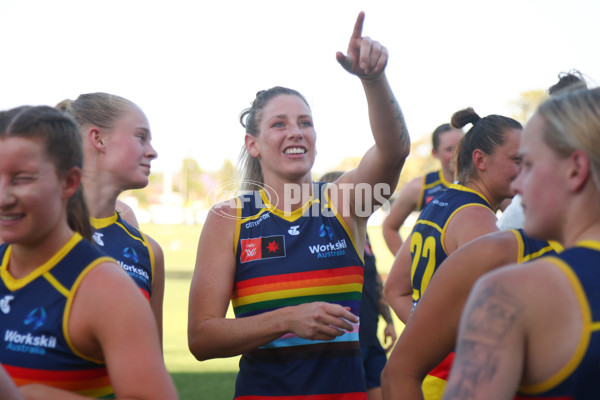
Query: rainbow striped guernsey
point(286, 259)
point(34, 312)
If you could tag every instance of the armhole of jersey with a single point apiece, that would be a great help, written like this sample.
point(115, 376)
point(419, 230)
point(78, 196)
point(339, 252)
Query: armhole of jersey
point(443, 235)
point(150, 253)
point(69, 304)
point(343, 223)
point(520, 245)
point(586, 332)
point(238, 225)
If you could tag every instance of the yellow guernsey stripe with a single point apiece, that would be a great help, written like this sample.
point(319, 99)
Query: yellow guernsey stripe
point(520, 245)
point(69, 304)
point(100, 223)
point(238, 224)
point(57, 285)
point(14, 284)
point(432, 224)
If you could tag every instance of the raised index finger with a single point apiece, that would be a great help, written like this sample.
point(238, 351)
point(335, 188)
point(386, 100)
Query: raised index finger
point(358, 26)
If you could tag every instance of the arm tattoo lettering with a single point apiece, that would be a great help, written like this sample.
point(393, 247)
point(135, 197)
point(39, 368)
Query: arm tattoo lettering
point(400, 118)
point(493, 314)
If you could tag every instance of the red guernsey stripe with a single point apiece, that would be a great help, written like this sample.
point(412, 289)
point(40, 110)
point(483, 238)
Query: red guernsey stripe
point(442, 370)
point(146, 294)
point(53, 375)
point(327, 273)
point(340, 396)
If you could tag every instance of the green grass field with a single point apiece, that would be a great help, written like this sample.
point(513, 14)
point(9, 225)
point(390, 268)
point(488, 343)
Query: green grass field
point(212, 379)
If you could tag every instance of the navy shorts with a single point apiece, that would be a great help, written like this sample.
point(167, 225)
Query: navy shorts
point(374, 359)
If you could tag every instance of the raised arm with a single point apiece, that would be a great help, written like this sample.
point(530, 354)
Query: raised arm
point(431, 332)
point(211, 334)
point(382, 163)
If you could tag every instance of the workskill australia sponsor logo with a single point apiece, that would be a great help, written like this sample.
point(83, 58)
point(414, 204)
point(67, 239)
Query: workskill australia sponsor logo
point(134, 271)
point(261, 248)
point(28, 343)
point(331, 249)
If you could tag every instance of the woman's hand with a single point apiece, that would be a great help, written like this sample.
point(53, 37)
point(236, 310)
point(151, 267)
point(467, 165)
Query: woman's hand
point(366, 58)
point(320, 320)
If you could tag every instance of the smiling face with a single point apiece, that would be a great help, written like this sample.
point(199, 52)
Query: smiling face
point(32, 196)
point(541, 183)
point(285, 144)
point(128, 152)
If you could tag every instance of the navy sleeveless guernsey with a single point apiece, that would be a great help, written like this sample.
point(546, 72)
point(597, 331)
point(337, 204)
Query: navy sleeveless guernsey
point(34, 314)
point(428, 252)
point(290, 258)
point(579, 378)
point(529, 248)
point(427, 238)
point(129, 247)
point(433, 184)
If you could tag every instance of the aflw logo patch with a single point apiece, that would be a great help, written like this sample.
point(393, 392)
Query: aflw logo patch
point(262, 247)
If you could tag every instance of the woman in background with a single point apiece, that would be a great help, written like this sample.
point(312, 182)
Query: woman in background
point(117, 152)
point(418, 192)
point(487, 161)
point(67, 308)
point(532, 329)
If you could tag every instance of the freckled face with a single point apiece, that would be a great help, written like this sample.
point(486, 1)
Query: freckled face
point(128, 150)
point(285, 144)
point(32, 203)
point(540, 183)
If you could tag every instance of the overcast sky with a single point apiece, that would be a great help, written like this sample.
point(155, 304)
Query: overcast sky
point(192, 66)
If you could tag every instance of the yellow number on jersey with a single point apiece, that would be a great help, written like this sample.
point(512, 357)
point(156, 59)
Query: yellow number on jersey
point(425, 251)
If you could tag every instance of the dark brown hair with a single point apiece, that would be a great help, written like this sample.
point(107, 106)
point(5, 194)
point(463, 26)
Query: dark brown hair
point(486, 134)
point(62, 141)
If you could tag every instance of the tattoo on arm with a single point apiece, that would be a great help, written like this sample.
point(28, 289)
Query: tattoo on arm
point(493, 314)
point(405, 139)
